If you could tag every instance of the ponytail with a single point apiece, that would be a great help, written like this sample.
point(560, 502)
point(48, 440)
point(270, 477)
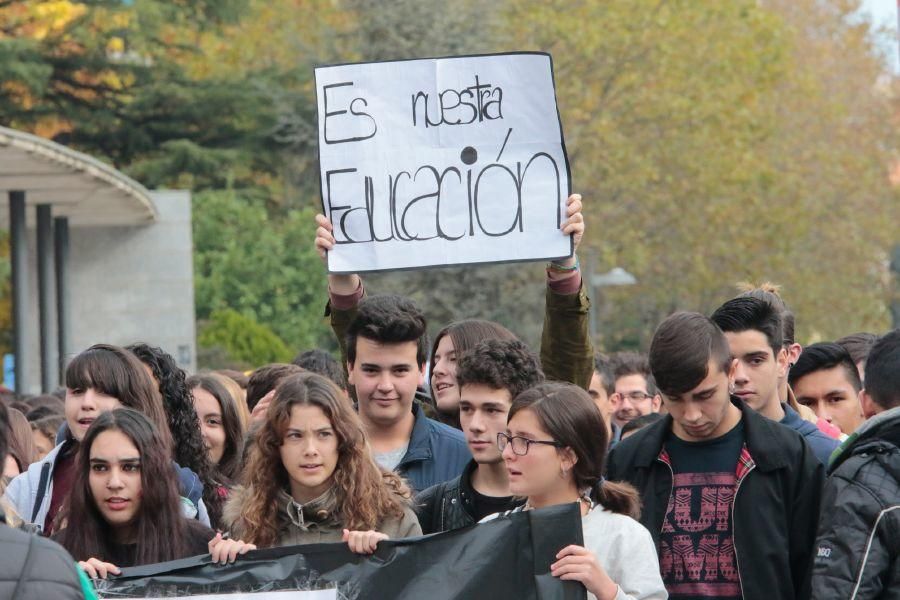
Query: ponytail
point(618, 497)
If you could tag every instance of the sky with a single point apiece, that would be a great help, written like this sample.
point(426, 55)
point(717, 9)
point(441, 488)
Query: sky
point(884, 12)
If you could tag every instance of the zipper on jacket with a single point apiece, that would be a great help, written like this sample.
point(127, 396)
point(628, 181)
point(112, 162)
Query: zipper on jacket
point(737, 563)
point(666, 462)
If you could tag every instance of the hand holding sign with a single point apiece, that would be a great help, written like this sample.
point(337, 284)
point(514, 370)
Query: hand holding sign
point(456, 161)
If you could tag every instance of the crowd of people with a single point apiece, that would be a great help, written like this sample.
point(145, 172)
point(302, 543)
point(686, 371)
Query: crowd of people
point(727, 462)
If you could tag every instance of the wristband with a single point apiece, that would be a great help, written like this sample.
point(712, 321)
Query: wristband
point(553, 266)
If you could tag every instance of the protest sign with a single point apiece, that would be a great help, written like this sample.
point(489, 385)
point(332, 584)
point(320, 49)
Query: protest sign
point(508, 557)
point(442, 161)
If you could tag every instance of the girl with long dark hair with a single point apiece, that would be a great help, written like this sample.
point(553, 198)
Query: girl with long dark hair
point(184, 426)
point(311, 476)
point(100, 379)
point(125, 506)
point(554, 449)
point(221, 427)
point(450, 343)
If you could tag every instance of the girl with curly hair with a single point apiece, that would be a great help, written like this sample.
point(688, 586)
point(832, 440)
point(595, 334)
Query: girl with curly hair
point(311, 476)
point(125, 508)
point(184, 426)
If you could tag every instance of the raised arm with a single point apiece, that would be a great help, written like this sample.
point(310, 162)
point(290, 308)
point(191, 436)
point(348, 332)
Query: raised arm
point(566, 350)
point(344, 291)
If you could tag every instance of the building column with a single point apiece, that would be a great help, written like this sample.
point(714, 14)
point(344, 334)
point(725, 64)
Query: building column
point(45, 304)
point(61, 249)
point(18, 252)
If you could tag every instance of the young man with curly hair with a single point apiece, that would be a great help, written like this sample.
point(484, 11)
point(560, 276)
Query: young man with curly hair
point(489, 376)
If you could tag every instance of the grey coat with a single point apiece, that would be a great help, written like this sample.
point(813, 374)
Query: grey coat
point(34, 568)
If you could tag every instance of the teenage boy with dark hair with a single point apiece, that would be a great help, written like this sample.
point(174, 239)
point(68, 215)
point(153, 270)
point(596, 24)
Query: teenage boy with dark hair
point(490, 376)
point(771, 293)
point(730, 497)
point(857, 548)
point(635, 390)
point(826, 380)
point(602, 386)
point(753, 328)
point(386, 352)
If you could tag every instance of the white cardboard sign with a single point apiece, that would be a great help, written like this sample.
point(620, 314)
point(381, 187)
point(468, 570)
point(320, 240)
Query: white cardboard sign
point(443, 161)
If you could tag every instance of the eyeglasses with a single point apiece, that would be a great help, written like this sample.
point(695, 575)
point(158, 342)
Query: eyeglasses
point(635, 396)
point(519, 444)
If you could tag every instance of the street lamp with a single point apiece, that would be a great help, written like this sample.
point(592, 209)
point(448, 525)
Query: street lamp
point(616, 276)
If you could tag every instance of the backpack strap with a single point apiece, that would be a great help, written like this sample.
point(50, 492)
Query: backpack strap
point(41, 491)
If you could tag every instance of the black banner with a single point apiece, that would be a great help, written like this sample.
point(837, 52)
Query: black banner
point(509, 557)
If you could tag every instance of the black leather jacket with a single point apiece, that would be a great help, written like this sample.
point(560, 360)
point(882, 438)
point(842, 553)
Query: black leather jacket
point(447, 505)
point(776, 503)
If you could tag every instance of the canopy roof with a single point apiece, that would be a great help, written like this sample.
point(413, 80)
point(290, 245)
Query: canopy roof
point(78, 186)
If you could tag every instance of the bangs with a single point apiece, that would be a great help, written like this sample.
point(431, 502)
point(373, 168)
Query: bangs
point(100, 369)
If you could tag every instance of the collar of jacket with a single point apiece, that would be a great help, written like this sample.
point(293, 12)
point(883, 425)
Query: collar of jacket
point(465, 482)
point(760, 438)
point(870, 430)
point(420, 441)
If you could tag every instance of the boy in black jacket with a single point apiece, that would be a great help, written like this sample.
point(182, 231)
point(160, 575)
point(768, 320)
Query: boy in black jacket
point(858, 546)
point(489, 376)
point(730, 497)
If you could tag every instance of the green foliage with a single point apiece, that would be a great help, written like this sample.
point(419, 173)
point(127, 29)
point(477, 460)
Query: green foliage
point(238, 341)
point(713, 142)
point(265, 269)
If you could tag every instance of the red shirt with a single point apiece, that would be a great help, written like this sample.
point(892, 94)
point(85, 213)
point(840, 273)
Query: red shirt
point(63, 476)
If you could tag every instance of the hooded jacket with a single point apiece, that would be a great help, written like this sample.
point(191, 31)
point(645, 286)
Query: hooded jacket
point(775, 506)
point(822, 445)
point(857, 551)
point(312, 523)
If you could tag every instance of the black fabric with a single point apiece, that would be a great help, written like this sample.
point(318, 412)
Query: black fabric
point(34, 568)
point(197, 536)
point(696, 548)
point(857, 551)
point(776, 507)
point(508, 557)
point(452, 504)
point(708, 456)
point(483, 506)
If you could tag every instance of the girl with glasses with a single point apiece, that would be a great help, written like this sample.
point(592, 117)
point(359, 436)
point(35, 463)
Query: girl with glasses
point(554, 450)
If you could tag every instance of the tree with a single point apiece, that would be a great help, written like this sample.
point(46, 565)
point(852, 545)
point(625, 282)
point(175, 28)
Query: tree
point(232, 340)
point(714, 157)
point(263, 269)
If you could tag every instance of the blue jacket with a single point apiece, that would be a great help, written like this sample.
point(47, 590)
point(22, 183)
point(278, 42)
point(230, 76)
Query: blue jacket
point(822, 445)
point(436, 453)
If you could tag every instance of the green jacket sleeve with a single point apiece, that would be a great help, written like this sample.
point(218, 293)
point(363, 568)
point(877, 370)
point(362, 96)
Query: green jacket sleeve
point(340, 323)
point(566, 350)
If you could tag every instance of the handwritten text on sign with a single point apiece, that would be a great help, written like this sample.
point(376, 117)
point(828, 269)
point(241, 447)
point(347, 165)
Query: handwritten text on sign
point(442, 162)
